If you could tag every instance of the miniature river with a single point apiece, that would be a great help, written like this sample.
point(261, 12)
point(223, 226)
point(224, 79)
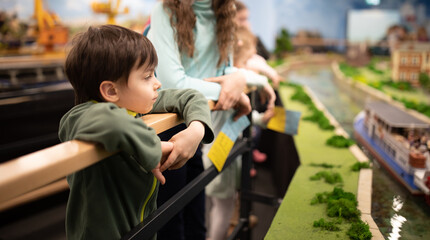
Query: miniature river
point(398, 214)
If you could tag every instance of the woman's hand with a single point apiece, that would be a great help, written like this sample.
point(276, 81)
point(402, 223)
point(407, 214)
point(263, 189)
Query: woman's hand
point(232, 86)
point(185, 144)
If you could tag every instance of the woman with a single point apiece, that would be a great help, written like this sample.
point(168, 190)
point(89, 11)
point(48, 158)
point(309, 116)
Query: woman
point(194, 40)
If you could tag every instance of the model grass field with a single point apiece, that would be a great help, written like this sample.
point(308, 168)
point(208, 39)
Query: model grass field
point(377, 74)
point(296, 215)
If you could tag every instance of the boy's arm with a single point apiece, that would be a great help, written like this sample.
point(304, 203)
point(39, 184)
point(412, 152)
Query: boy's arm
point(114, 129)
point(190, 104)
point(193, 107)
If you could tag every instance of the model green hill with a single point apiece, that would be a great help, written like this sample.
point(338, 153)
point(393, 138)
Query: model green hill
point(296, 216)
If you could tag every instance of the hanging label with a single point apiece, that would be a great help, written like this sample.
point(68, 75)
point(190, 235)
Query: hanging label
point(285, 121)
point(225, 140)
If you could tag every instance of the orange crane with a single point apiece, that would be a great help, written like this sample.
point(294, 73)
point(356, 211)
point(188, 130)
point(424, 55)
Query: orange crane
point(50, 29)
point(109, 8)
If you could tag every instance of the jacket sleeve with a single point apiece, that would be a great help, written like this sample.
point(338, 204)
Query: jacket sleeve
point(115, 130)
point(190, 104)
point(170, 71)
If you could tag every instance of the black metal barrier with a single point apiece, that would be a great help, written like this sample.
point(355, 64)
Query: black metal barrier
point(156, 220)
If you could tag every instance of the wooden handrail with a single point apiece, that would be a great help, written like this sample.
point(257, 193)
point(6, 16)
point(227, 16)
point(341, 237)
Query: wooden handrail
point(42, 173)
point(29, 172)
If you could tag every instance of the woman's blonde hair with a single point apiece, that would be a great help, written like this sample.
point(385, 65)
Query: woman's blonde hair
point(183, 20)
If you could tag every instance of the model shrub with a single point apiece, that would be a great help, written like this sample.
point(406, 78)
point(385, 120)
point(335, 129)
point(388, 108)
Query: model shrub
point(328, 225)
point(371, 67)
point(301, 96)
point(324, 165)
point(359, 165)
point(339, 141)
point(318, 117)
point(342, 205)
point(419, 107)
point(403, 86)
point(329, 177)
point(348, 70)
point(424, 80)
point(344, 208)
point(359, 231)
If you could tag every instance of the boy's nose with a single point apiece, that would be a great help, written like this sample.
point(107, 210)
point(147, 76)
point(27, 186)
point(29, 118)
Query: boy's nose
point(157, 84)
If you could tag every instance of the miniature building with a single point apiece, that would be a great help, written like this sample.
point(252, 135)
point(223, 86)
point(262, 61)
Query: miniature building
point(357, 55)
point(409, 60)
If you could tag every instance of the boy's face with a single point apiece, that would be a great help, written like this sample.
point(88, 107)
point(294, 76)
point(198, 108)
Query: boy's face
point(140, 93)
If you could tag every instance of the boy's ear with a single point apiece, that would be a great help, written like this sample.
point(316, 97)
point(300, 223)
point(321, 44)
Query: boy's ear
point(108, 91)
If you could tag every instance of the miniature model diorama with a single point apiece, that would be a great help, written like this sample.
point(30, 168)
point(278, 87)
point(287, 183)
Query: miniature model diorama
point(358, 55)
point(36, 57)
point(110, 9)
point(409, 61)
point(400, 143)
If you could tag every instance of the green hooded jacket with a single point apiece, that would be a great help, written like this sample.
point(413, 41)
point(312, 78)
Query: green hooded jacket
point(112, 196)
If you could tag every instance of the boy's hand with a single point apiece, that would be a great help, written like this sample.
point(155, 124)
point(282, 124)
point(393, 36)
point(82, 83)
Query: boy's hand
point(232, 86)
point(157, 174)
point(166, 149)
point(185, 144)
point(243, 107)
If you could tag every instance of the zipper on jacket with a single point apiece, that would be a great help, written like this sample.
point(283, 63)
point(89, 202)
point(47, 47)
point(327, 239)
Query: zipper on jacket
point(154, 184)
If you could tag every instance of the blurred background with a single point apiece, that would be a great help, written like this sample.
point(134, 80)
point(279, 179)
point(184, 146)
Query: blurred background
point(34, 93)
point(351, 20)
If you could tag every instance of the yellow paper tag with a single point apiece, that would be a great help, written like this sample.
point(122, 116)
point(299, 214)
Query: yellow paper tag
point(277, 122)
point(220, 149)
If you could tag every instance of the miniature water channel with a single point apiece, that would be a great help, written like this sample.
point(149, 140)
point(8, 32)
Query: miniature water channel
point(398, 214)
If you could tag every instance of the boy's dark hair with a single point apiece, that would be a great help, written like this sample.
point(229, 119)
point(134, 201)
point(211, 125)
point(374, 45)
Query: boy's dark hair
point(106, 52)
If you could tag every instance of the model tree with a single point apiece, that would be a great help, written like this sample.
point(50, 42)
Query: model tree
point(283, 44)
point(424, 81)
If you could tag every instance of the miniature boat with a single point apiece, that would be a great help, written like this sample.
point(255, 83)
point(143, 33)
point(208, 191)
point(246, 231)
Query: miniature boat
point(399, 141)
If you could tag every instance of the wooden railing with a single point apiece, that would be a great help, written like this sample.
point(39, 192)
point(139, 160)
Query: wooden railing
point(42, 173)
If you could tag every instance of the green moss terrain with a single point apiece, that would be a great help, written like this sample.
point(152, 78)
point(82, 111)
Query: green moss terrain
point(377, 74)
point(296, 216)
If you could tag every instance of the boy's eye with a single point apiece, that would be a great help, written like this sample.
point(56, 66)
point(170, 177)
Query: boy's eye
point(148, 76)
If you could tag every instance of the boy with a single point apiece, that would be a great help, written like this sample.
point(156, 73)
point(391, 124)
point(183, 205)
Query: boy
point(111, 70)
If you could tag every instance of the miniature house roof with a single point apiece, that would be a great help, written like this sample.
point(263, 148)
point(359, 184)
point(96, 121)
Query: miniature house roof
point(415, 47)
point(395, 117)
